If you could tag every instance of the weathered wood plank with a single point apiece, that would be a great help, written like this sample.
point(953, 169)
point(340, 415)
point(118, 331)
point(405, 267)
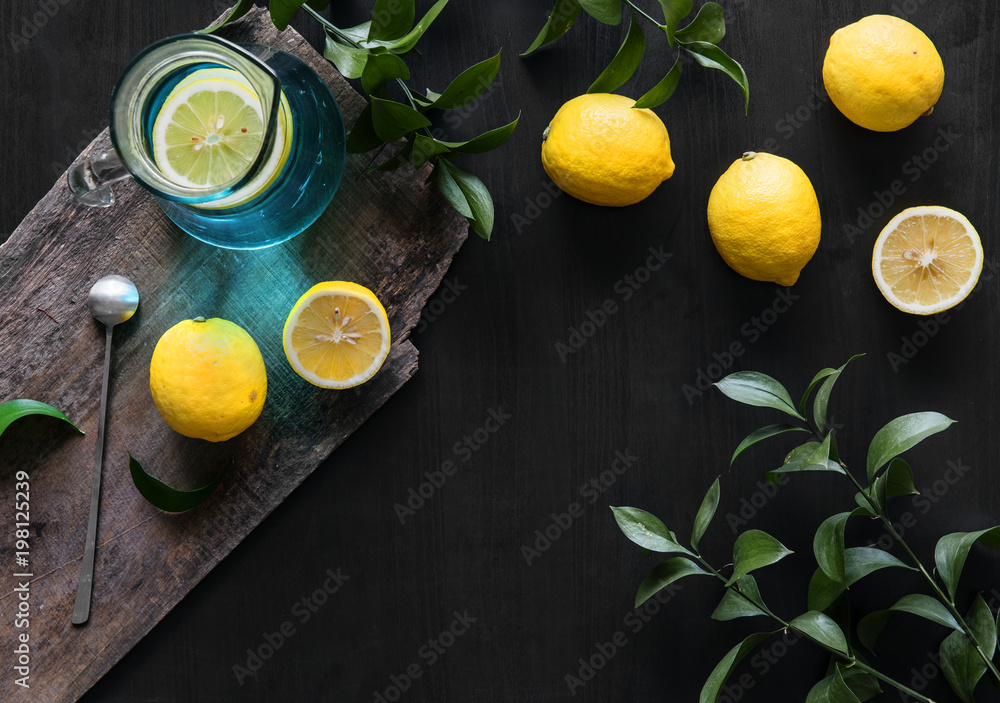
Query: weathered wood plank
point(390, 232)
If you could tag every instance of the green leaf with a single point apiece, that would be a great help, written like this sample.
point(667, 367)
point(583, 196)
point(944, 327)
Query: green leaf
point(720, 674)
point(239, 9)
point(823, 591)
point(762, 434)
point(661, 92)
point(861, 561)
point(871, 626)
point(708, 26)
point(392, 120)
point(665, 574)
point(391, 19)
point(625, 62)
point(646, 530)
point(902, 434)
point(819, 458)
point(468, 85)
point(755, 549)
point(673, 12)
point(864, 685)
point(758, 389)
point(358, 33)
point(425, 148)
point(477, 196)
point(960, 660)
point(809, 389)
point(16, 409)
point(828, 546)
point(806, 457)
point(282, 11)
point(928, 608)
point(741, 600)
point(166, 498)
point(380, 69)
point(898, 479)
point(832, 689)
point(406, 44)
point(821, 628)
point(348, 60)
point(362, 136)
point(562, 18)
point(711, 56)
point(706, 512)
point(428, 147)
point(823, 396)
point(486, 141)
point(606, 11)
point(952, 550)
point(452, 192)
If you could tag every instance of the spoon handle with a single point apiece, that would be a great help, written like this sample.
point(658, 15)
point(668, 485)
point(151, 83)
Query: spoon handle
point(81, 610)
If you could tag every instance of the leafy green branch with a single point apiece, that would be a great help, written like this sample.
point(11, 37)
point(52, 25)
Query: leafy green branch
point(699, 40)
point(967, 653)
point(373, 52)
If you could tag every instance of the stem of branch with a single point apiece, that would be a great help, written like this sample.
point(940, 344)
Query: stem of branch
point(642, 12)
point(941, 595)
point(854, 662)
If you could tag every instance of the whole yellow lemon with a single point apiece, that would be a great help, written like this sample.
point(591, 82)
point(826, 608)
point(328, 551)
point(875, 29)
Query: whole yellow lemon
point(601, 150)
point(208, 379)
point(764, 218)
point(882, 73)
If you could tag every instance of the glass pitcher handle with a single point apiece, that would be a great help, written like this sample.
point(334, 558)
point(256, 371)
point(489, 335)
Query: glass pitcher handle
point(90, 179)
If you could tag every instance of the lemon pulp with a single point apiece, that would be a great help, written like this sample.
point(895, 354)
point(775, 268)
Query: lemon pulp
point(927, 260)
point(337, 335)
point(209, 131)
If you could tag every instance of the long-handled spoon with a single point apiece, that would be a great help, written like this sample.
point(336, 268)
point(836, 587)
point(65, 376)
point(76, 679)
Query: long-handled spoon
point(112, 300)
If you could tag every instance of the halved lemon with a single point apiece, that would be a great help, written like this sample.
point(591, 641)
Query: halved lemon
point(209, 131)
point(337, 335)
point(927, 259)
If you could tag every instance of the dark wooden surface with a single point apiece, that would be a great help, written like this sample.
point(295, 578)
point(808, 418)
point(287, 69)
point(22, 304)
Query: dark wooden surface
point(494, 347)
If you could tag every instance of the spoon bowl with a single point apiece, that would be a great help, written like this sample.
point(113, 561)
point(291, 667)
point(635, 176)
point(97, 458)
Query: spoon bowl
point(113, 299)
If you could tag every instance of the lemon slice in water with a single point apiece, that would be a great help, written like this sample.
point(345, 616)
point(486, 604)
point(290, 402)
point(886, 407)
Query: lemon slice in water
point(927, 260)
point(337, 335)
point(209, 131)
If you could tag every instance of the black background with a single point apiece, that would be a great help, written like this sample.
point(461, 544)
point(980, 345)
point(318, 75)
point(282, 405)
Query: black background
point(494, 346)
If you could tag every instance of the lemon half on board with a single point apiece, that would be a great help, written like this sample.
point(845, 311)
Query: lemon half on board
point(337, 335)
point(209, 131)
point(927, 259)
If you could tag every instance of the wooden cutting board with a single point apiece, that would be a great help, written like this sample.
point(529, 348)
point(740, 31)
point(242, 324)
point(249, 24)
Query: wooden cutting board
point(389, 232)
